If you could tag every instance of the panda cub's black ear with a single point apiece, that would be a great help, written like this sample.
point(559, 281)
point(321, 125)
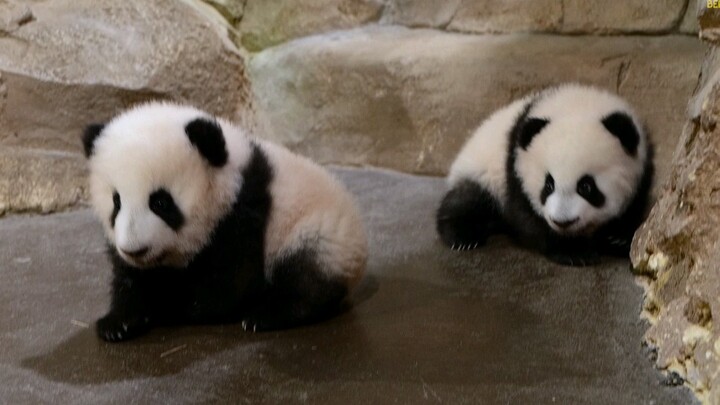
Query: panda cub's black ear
point(529, 128)
point(623, 128)
point(207, 136)
point(90, 134)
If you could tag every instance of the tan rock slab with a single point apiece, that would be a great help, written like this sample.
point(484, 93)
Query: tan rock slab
point(512, 16)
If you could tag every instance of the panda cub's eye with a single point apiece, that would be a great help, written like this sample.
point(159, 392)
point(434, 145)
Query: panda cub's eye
point(549, 182)
point(588, 190)
point(548, 188)
point(116, 200)
point(116, 208)
point(162, 204)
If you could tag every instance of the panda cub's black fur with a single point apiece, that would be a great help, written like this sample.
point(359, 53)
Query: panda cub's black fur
point(566, 171)
point(190, 232)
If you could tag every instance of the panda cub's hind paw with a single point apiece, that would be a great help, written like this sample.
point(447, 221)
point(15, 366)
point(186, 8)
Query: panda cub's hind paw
point(576, 260)
point(115, 328)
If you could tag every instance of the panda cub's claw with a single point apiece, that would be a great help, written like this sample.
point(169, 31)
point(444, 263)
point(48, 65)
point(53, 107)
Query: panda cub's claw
point(115, 328)
point(254, 325)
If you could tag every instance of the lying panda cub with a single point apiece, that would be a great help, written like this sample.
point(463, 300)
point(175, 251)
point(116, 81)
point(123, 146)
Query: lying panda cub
point(209, 225)
point(566, 171)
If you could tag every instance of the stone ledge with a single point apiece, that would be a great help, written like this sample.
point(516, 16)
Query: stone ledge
point(40, 181)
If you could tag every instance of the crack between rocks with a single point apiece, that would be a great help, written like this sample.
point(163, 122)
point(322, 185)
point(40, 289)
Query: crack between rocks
point(452, 17)
point(622, 74)
point(242, 16)
point(678, 23)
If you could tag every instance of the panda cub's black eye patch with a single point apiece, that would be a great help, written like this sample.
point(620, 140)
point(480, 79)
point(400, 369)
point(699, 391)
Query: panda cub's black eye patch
point(548, 188)
point(588, 190)
point(163, 205)
point(116, 208)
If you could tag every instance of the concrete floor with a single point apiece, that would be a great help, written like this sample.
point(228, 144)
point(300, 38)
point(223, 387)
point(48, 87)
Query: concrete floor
point(496, 325)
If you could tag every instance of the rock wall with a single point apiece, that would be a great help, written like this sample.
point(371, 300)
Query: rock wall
point(392, 83)
point(677, 251)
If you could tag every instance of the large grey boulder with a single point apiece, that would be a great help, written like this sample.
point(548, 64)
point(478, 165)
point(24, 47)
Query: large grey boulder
point(407, 99)
point(66, 63)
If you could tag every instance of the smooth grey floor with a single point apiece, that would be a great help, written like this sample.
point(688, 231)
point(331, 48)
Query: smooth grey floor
point(494, 326)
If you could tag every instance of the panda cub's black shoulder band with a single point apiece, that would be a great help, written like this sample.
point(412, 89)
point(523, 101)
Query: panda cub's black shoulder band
point(207, 136)
point(526, 127)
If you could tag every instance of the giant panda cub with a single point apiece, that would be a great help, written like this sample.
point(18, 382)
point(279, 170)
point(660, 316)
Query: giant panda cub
point(206, 224)
point(566, 171)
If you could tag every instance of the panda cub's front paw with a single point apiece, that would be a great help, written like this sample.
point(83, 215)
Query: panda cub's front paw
point(576, 260)
point(258, 323)
point(115, 328)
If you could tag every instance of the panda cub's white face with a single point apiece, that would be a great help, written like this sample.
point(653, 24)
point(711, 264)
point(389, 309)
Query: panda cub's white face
point(576, 173)
point(156, 195)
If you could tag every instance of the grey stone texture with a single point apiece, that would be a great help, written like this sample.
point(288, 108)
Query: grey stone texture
point(67, 63)
point(493, 326)
point(408, 98)
point(676, 250)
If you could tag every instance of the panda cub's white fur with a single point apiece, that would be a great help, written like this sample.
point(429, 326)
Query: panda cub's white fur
point(206, 223)
point(566, 171)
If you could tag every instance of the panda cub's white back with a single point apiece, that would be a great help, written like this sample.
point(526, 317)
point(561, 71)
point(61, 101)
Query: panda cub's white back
point(207, 224)
point(567, 171)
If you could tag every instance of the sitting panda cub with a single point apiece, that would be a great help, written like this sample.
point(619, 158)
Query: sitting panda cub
point(566, 171)
point(206, 224)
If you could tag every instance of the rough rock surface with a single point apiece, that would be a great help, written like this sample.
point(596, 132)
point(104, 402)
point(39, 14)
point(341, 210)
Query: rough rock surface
point(677, 251)
point(267, 23)
point(407, 99)
point(66, 63)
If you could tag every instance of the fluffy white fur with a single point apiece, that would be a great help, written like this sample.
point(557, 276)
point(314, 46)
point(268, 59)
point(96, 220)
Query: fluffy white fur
point(484, 155)
point(573, 144)
point(576, 143)
point(308, 203)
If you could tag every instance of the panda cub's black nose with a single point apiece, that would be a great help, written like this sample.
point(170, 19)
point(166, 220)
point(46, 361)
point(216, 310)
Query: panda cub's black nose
point(565, 224)
point(137, 253)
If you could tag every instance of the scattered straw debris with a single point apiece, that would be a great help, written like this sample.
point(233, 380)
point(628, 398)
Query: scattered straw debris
point(79, 323)
point(171, 351)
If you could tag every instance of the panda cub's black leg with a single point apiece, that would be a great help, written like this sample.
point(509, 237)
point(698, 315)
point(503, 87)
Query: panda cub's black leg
point(299, 293)
point(467, 215)
point(128, 316)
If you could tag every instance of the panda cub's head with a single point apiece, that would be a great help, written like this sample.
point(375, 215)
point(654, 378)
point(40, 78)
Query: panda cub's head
point(161, 178)
point(579, 156)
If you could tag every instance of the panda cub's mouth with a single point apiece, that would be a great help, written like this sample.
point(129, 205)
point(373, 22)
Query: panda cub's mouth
point(147, 261)
point(579, 229)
